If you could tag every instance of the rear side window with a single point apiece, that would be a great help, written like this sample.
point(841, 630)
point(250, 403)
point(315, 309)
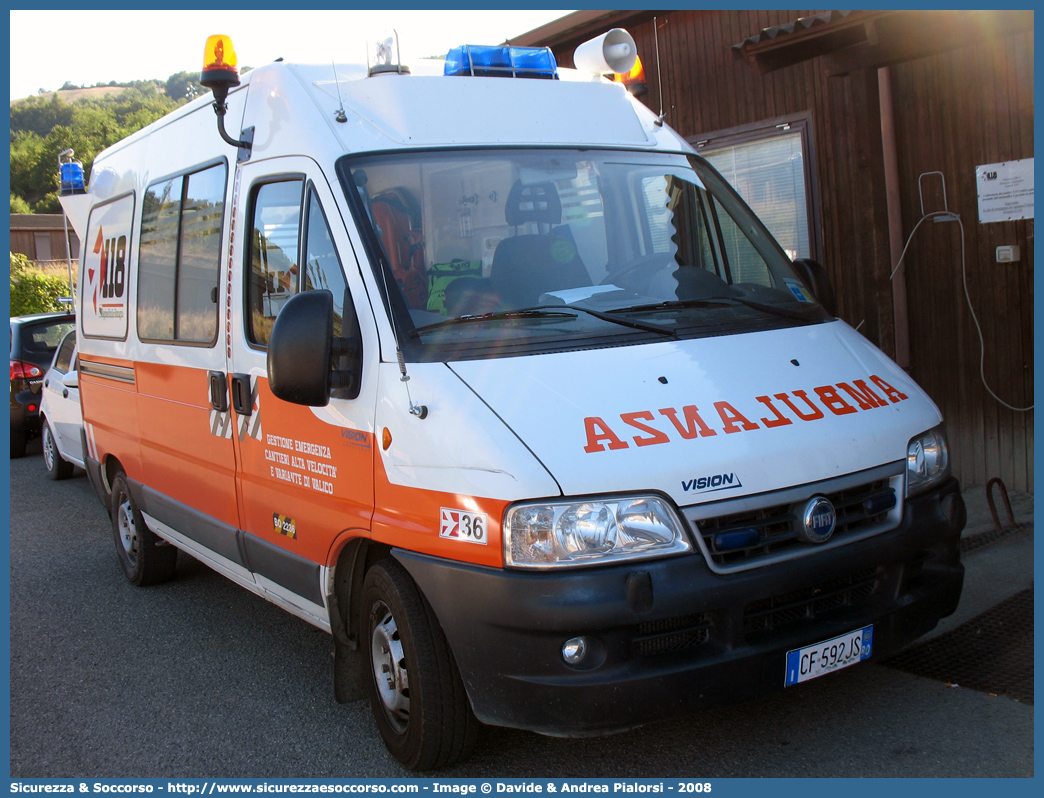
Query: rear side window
point(179, 258)
point(40, 340)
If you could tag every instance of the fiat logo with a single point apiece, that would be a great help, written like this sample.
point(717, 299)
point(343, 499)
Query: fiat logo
point(817, 521)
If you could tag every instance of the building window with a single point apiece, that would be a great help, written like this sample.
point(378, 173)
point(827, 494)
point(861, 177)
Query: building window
point(43, 246)
point(770, 165)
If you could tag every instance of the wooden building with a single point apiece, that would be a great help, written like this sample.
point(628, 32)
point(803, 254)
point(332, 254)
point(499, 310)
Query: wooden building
point(863, 133)
point(41, 237)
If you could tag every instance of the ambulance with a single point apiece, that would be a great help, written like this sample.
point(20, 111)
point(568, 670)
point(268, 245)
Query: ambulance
point(480, 368)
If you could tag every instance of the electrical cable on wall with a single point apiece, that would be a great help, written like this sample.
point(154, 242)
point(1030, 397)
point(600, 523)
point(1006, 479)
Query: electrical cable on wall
point(951, 216)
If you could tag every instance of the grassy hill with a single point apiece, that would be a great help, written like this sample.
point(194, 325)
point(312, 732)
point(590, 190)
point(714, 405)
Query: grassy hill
point(72, 95)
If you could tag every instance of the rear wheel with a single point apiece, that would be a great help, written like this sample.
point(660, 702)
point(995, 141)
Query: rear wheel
point(416, 694)
point(57, 468)
point(146, 559)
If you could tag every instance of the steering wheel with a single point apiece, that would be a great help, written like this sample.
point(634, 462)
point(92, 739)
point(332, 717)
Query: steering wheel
point(644, 267)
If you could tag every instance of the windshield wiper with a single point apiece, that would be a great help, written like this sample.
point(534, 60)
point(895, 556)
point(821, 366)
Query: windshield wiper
point(548, 311)
point(503, 314)
point(638, 325)
point(673, 304)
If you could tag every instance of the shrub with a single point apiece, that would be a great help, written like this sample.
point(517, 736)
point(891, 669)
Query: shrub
point(33, 291)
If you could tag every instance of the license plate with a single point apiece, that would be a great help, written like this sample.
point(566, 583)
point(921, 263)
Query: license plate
point(830, 655)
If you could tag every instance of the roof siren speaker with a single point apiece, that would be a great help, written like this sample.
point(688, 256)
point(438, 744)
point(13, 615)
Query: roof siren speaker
point(613, 51)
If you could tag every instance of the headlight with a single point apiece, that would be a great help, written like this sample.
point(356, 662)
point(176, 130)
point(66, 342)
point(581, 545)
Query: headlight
point(927, 461)
point(563, 534)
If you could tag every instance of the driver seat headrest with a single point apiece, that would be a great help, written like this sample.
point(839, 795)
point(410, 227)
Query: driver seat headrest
point(537, 202)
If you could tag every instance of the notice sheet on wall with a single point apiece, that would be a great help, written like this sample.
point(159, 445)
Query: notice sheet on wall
point(1005, 191)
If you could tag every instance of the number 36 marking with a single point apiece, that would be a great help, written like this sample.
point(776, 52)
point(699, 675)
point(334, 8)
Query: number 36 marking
point(463, 526)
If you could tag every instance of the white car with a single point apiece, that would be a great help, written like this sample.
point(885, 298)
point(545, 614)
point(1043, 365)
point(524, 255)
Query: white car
point(60, 416)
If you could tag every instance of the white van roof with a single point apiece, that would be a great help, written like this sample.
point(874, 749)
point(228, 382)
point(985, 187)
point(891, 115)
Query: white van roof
point(437, 110)
point(428, 109)
point(294, 109)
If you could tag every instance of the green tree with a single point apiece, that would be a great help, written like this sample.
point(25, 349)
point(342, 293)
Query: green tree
point(39, 115)
point(40, 129)
point(27, 150)
point(183, 86)
point(19, 205)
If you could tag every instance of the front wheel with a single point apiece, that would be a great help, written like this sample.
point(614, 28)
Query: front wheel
point(416, 693)
point(57, 468)
point(146, 559)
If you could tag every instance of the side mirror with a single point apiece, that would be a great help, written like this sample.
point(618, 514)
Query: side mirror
point(71, 379)
point(302, 352)
point(816, 278)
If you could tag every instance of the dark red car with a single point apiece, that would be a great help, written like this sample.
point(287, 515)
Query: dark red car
point(34, 340)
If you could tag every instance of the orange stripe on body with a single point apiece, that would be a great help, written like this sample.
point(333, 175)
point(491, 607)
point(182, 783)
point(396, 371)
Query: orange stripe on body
point(161, 434)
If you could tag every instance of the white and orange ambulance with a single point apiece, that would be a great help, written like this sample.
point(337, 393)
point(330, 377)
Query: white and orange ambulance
point(489, 375)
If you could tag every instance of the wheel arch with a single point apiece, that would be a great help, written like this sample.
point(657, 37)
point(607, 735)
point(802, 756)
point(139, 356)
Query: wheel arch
point(344, 597)
point(111, 467)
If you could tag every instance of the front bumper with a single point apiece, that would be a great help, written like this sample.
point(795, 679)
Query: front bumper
point(668, 637)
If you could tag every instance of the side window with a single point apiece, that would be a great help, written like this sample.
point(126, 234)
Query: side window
point(322, 266)
point(276, 274)
point(63, 361)
point(678, 223)
point(274, 236)
point(179, 257)
point(200, 255)
point(745, 263)
point(157, 259)
point(657, 215)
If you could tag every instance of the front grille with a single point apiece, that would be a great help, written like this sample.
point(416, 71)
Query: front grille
point(671, 635)
point(812, 602)
point(756, 531)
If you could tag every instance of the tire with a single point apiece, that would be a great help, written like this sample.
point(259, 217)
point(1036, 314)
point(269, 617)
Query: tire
point(17, 443)
point(57, 468)
point(416, 693)
point(145, 558)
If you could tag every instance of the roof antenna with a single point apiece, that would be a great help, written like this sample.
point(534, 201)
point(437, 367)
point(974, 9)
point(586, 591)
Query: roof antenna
point(360, 179)
point(340, 116)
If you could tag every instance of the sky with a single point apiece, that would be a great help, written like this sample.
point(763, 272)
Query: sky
point(140, 45)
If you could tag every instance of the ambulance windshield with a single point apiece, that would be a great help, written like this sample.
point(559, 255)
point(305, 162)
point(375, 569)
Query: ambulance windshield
point(494, 252)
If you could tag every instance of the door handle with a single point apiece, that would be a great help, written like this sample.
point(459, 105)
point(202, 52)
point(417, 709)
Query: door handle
point(65, 393)
point(242, 396)
point(218, 391)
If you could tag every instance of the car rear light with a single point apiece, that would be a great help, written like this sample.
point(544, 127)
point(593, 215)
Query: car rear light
point(24, 371)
